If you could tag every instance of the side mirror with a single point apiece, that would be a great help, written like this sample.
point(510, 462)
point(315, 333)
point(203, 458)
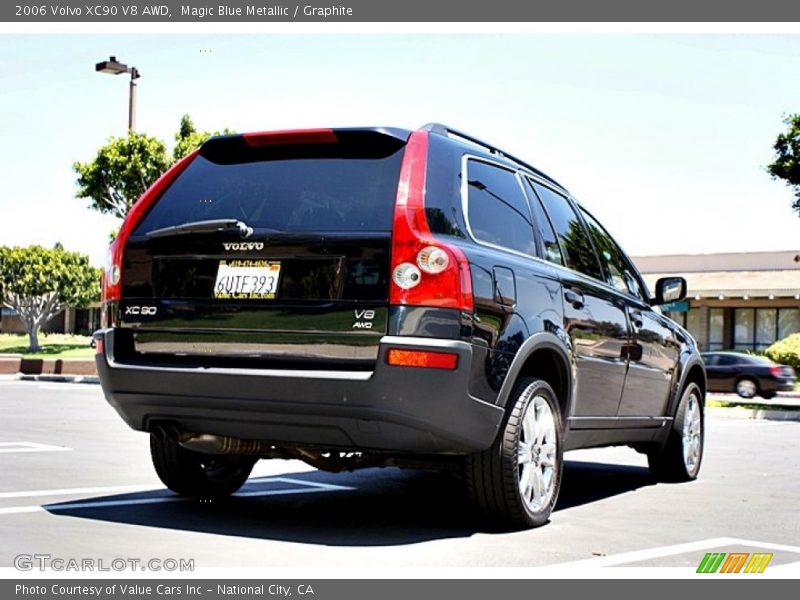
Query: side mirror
point(669, 289)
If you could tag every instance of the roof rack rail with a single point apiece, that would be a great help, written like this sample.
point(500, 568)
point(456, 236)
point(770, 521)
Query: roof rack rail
point(446, 131)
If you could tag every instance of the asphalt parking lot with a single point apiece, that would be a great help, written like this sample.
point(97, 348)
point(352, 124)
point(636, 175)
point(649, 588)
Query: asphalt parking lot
point(78, 483)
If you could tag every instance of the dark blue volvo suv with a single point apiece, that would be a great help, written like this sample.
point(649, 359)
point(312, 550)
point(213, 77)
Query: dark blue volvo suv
point(383, 297)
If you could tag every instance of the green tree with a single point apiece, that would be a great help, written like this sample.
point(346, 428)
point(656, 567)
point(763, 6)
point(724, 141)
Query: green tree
point(188, 138)
point(122, 170)
point(786, 165)
point(38, 283)
point(125, 167)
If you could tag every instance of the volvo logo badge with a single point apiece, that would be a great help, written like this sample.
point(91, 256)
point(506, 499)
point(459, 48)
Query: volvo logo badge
point(243, 246)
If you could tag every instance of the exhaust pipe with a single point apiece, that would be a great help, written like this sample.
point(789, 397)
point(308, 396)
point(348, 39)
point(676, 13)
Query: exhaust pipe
point(208, 443)
point(221, 444)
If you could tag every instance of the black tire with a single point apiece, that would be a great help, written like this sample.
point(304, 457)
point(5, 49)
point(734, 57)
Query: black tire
point(752, 388)
point(493, 477)
point(768, 395)
point(668, 463)
point(196, 474)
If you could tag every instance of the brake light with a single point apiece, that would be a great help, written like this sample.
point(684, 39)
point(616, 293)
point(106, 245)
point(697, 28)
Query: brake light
point(111, 283)
point(776, 371)
point(425, 271)
point(397, 357)
point(98, 346)
point(285, 138)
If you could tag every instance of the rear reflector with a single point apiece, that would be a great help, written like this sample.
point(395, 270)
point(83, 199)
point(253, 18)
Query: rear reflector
point(284, 138)
point(421, 358)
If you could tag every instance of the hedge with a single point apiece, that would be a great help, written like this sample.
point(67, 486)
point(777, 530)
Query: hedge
point(786, 351)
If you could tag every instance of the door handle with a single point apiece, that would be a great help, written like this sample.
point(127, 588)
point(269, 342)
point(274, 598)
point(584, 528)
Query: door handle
point(636, 317)
point(574, 298)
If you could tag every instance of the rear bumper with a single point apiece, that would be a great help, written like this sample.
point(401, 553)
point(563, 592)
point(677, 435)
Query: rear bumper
point(778, 385)
point(390, 409)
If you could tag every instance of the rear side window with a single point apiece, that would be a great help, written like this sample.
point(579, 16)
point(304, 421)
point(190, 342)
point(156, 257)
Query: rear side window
point(443, 188)
point(497, 208)
point(574, 239)
point(346, 186)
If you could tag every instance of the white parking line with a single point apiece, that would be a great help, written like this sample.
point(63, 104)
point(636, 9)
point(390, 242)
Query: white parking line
point(80, 490)
point(324, 486)
point(309, 487)
point(15, 510)
point(662, 551)
point(9, 447)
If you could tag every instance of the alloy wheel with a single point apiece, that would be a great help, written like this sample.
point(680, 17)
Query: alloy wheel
point(746, 388)
point(692, 434)
point(536, 454)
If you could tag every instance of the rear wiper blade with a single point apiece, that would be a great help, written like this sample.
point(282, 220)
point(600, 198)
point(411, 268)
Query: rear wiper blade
point(210, 226)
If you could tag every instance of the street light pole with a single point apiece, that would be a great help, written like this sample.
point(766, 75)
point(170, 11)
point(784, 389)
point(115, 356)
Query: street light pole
point(132, 100)
point(114, 67)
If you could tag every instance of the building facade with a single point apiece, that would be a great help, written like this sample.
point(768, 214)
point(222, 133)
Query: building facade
point(736, 301)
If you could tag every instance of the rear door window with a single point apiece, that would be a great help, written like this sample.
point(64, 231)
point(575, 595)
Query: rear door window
point(575, 240)
point(497, 208)
point(550, 247)
point(619, 273)
point(345, 186)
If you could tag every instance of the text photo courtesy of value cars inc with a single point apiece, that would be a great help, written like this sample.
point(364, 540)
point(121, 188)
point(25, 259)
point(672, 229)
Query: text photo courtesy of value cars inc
point(293, 305)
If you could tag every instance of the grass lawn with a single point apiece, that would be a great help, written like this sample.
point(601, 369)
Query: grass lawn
point(720, 403)
point(54, 345)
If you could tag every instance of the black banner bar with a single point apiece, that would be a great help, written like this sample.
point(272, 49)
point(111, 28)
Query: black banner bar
point(359, 11)
point(342, 589)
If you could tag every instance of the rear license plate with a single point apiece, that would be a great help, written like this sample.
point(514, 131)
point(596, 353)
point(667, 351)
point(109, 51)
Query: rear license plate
point(247, 280)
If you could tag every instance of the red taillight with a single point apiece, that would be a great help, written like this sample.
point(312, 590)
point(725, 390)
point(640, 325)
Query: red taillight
point(425, 271)
point(98, 346)
point(111, 284)
point(776, 371)
point(284, 138)
point(424, 359)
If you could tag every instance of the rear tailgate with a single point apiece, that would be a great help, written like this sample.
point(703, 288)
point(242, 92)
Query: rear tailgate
point(307, 289)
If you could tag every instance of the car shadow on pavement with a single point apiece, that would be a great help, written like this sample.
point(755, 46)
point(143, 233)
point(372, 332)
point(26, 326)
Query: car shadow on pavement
point(372, 507)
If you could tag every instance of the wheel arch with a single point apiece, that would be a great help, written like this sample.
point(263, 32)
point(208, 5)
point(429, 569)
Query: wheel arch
point(546, 357)
point(693, 372)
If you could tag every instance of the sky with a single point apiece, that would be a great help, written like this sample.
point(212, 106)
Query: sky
point(664, 138)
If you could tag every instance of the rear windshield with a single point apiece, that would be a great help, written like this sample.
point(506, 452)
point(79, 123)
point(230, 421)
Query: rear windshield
point(346, 186)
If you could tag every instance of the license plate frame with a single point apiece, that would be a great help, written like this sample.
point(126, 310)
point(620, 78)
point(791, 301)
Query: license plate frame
point(247, 279)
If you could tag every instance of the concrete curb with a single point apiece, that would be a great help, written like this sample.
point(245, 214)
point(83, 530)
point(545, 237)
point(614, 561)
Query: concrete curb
point(760, 414)
point(17, 363)
point(59, 378)
point(10, 363)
